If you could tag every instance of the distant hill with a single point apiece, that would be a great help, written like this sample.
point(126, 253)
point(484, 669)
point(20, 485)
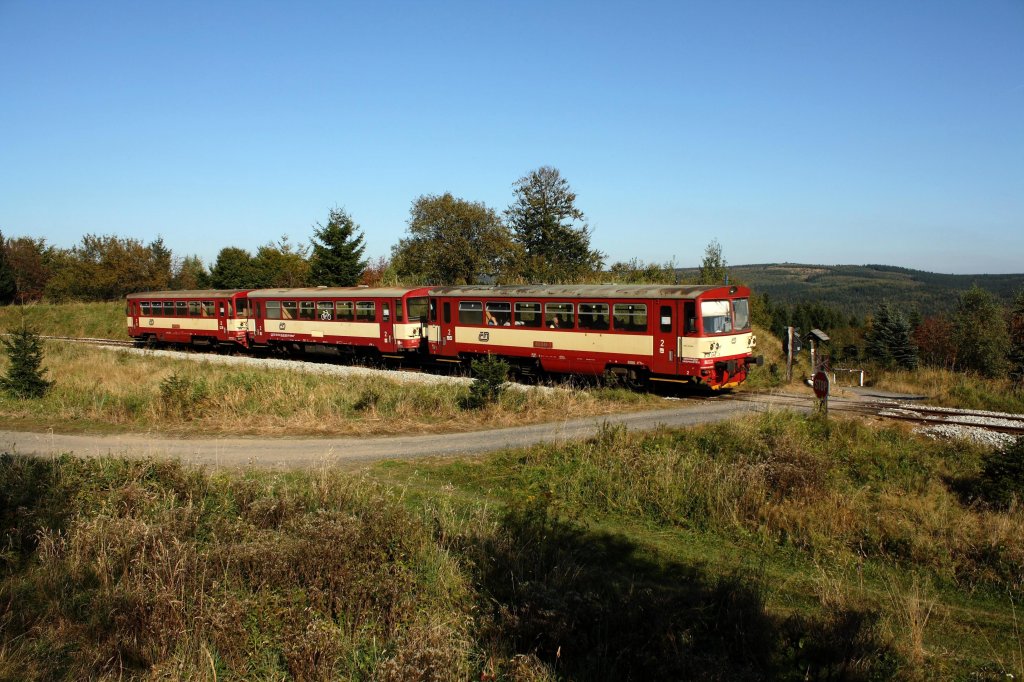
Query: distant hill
point(859, 288)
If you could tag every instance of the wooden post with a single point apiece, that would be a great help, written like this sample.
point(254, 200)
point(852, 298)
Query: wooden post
point(789, 355)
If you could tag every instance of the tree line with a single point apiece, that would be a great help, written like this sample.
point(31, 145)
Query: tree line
point(541, 237)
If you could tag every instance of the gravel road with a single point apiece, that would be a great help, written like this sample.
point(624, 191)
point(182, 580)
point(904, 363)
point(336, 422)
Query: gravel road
point(296, 453)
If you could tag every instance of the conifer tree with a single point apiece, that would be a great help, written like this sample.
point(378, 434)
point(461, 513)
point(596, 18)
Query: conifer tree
point(338, 247)
point(890, 340)
point(25, 374)
point(1016, 353)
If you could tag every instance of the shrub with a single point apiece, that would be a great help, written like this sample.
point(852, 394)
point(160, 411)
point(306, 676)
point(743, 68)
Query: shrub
point(1002, 477)
point(182, 396)
point(490, 374)
point(25, 375)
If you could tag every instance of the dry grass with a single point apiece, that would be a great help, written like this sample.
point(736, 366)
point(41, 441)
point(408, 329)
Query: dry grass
point(100, 389)
point(954, 389)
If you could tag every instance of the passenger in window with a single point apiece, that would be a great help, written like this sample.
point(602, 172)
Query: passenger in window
point(491, 322)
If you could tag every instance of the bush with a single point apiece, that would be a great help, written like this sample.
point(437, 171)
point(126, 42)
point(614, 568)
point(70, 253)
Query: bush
point(182, 396)
point(490, 374)
point(1002, 478)
point(25, 375)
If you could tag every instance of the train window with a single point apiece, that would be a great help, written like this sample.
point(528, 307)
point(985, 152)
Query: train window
point(242, 307)
point(447, 312)
point(180, 308)
point(145, 308)
point(715, 318)
point(273, 310)
point(690, 315)
point(419, 308)
point(399, 315)
point(289, 310)
point(168, 308)
point(307, 310)
point(207, 309)
point(528, 315)
point(558, 316)
point(499, 314)
point(385, 311)
point(228, 306)
point(471, 312)
point(741, 314)
point(325, 310)
point(366, 311)
point(666, 318)
point(193, 308)
point(630, 317)
point(594, 316)
point(345, 311)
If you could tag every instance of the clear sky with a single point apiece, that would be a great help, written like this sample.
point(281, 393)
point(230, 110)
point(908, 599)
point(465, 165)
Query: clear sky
point(815, 132)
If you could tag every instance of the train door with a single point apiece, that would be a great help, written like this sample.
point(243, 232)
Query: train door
point(387, 324)
point(446, 327)
point(665, 325)
point(222, 315)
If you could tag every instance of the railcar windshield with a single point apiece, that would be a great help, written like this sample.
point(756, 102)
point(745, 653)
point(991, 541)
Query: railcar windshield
point(741, 314)
point(715, 317)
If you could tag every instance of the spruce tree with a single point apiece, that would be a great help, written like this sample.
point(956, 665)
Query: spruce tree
point(1016, 352)
point(25, 374)
point(338, 247)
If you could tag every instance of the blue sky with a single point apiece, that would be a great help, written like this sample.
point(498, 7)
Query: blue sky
point(815, 132)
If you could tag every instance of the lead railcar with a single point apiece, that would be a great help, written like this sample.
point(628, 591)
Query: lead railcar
point(687, 334)
point(209, 317)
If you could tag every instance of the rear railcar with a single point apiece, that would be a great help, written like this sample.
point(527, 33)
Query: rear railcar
point(347, 321)
point(209, 317)
point(686, 334)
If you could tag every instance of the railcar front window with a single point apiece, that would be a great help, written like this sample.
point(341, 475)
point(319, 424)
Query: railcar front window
point(630, 317)
point(528, 315)
point(715, 318)
point(419, 308)
point(273, 310)
point(559, 316)
point(243, 307)
point(741, 314)
point(325, 310)
point(471, 312)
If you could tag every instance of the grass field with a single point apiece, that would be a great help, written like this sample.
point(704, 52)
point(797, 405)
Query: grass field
point(782, 548)
point(89, 320)
point(103, 390)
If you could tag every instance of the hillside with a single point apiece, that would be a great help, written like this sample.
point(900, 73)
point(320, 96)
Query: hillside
point(858, 288)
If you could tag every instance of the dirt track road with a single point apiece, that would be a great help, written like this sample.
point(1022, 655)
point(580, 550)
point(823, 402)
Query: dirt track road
point(297, 453)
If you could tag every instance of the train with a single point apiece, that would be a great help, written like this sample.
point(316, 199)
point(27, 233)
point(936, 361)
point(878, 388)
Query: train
point(637, 334)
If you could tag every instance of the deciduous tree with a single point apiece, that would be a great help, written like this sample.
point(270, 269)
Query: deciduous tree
point(979, 333)
point(233, 269)
point(550, 229)
point(190, 273)
point(337, 259)
point(8, 285)
point(453, 241)
point(1016, 353)
point(281, 264)
point(31, 262)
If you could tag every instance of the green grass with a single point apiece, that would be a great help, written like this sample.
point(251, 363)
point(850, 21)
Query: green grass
point(781, 548)
point(90, 320)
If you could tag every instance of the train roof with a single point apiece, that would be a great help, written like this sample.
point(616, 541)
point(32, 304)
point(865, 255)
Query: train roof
point(333, 292)
point(192, 293)
point(584, 291)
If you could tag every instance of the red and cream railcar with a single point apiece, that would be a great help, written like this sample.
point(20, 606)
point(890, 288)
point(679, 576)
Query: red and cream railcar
point(345, 320)
point(199, 318)
point(698, 334)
